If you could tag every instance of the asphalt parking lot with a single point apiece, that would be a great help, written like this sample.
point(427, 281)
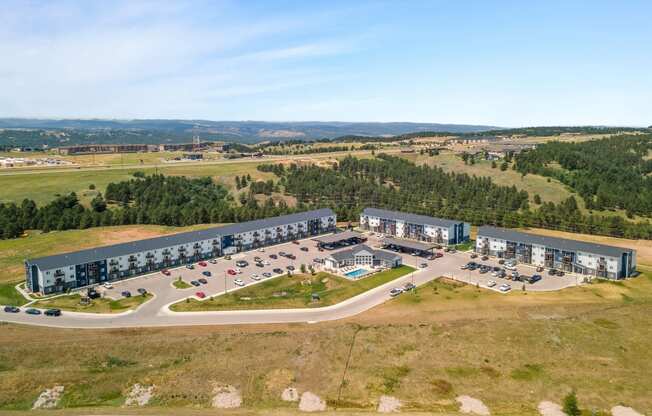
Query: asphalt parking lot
point(155, 312)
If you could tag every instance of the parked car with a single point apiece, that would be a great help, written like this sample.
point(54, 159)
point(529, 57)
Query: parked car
point(495, 273)
point(505, 288)
point(535, 278)
point(409, 286)
point(212, 261)
point(53, 312)
point(195, 283)
point(395, 292)
point(32, 311)
point(484, 269)
point(92, 293)
point(166, 272)
point(238, 270)
point(464, 266)
point(485, 258)
point(202, 281)
point(241, 263)
point(261, 250)
point(552, 272)
point(423, 265)
point(266, 262)
point(295, 242)
point(203, 264)
point(200, 295)
point(496, 269)
point(126, 294)
point(142, 290)
point(257, 259)
point(539, 269)
point(239, 282)
point(259, 264)
point(510, 266)
point(227, 257)
point(231, 272)
point(474, 256)
point(277, 270)
point(12, 309)
point(206, 273)
point(190, 266)
point(107, 285)
point(317, 260)
point(291, 257)
point(290, 267)
point(267, 275)
point(438, 255)
point(282, 253)
point(560, 273)
point(501, 261)
point(502, 274)
point(304, 249)
point(273, 256)
point(255, 277)
point(491, 283)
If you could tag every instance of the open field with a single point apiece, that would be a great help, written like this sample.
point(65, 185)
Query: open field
point(552, 191)
point(426, 348)
point(100, 305)
point(293, 292)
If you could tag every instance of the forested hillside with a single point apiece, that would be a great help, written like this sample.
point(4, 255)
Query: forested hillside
point(611, 173)
point(394, 183)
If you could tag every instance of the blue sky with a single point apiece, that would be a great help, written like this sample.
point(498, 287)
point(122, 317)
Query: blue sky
point(483, 62)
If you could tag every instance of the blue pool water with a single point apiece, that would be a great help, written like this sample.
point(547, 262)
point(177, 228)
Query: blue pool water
point(354, 274)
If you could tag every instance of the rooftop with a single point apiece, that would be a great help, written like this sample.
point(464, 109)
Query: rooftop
point(554, 242)
point(413, 245)
point(411, 218)
point(349, 253)
point(124, 249)
point(334, 238)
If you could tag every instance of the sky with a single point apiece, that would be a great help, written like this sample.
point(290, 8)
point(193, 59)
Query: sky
point(500, 63)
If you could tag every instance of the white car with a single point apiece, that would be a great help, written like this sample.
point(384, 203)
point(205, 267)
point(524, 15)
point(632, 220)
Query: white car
point(395, 291)
point(239, 282)
point(505, 288)
point(464, 266)
point(510, 267)
point(262, 250)
point(266, 262)
point(494, 274)
point(237, 270)
point(491, 283)
point(255, 277)
point(107, 285)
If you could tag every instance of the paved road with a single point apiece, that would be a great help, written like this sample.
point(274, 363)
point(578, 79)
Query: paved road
point(156, 313)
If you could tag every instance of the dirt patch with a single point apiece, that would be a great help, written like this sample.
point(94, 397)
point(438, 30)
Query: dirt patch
point(310, 402)
point(226, 397)
point(139, 395)
point(624, 411)
point(546, 408)
point(389, 404)
point(472, 405)
point(290, 395)
point(49, 398)
point(130, 234)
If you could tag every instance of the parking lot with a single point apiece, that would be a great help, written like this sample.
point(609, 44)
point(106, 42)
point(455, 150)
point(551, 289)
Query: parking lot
point(218, 280)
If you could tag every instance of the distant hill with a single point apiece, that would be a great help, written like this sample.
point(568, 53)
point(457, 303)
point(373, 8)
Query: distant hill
point(147, 131)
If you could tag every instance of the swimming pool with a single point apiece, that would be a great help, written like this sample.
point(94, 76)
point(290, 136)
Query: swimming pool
point(354, 274)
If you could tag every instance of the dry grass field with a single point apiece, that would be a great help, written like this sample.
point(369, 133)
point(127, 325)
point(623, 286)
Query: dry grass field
point(509, 351)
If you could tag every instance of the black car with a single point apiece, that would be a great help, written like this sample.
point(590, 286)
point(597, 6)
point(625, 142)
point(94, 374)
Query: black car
point(501, 261)
point(241, 263)
point(552, 272)
point(278, 271)
point(142, 291)
point(497, 269)
point(560, 273)
point(126, 294)
point(195, 283)
point(291, 257)
point(260, 264)
point(304, 248)
point(290, 267)
point(32, 311)
point(206, 273)
point(409, 286)
point(53, 312)
point(273, 256)
point(282, 253)
point(12, 309)
point(535, 278)
point(92, 294)
point(485, 258)
point(202, 281)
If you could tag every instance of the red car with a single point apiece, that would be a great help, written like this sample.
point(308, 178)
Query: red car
point(166, 272)
point(200, 295)
point(202, 264)
point(295, 242)
point(231, 272)
point(438, 255)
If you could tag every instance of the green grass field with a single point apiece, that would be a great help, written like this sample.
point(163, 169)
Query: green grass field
point(100, 305)
point(293, 292)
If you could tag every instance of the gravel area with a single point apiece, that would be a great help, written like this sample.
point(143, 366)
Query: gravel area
point(472, 405)
point(290, 395)
point(139, 395)
point(226, 397)
point(624, 411)
point(310, 402)
point(388, 404)
point(550, 409)
point(49, 398)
